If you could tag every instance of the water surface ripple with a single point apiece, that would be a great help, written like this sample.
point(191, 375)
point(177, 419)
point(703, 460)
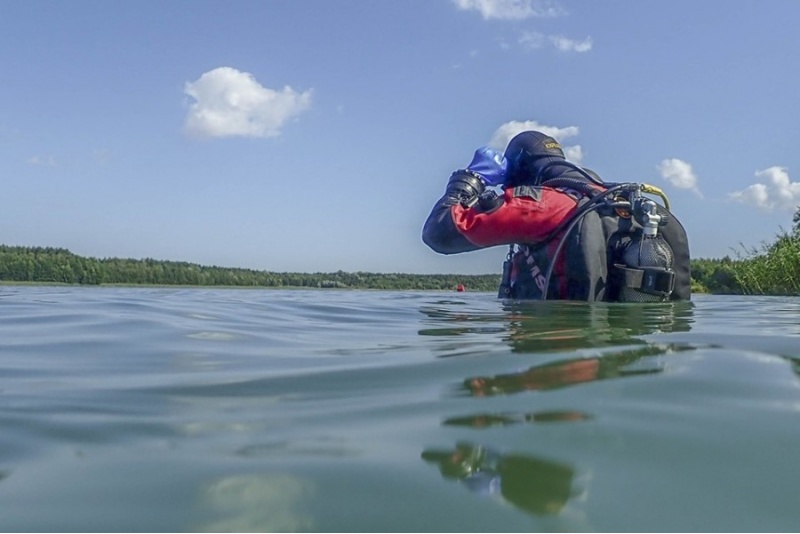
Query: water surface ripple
point(151, 409)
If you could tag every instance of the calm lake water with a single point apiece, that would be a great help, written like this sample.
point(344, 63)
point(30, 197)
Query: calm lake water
point(139, 409)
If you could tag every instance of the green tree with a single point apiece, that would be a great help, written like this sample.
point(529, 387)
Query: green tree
point(796, 221)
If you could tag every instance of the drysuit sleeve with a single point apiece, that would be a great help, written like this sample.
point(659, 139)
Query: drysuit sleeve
point(440, 232)
point(523, 214)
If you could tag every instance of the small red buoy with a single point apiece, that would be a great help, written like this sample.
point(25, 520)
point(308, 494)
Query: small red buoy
point(461, 287)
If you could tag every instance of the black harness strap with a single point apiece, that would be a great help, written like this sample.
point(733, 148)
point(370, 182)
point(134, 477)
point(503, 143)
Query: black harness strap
point(653, 280)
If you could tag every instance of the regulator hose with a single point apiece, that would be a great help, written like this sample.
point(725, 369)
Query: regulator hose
point(583, 210)
point(594, 203)
point(653, 190)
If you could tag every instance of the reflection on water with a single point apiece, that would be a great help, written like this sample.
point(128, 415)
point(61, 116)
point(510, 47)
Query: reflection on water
point(535, 485)
point(539, 486)
point(256, 503)
point(552, 326)
point(539, 327)
point(570, 372)
point(486, 420)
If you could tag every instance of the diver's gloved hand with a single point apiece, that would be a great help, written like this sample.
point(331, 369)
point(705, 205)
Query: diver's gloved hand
point(490, 165)
point(465, 188)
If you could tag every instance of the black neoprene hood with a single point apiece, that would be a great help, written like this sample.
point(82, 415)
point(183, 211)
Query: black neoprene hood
point(527, 153)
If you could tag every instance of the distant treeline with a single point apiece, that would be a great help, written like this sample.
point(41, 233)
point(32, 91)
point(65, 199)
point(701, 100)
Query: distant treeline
point(58, 265)
point(773, 270)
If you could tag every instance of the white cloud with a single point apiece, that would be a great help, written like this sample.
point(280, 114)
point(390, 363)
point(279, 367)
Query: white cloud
point(776, 191)
point(229, 102)
point(755, 195)
point(524, 9)
point(533, 40)
point(511, 9)
point(505, 132)
point(566, 44)
point(574, 153)
point(679, 173)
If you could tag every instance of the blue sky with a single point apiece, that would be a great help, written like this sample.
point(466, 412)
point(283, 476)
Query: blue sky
point(316, 135)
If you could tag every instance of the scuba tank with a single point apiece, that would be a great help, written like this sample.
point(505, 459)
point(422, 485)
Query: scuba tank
point(647, 270)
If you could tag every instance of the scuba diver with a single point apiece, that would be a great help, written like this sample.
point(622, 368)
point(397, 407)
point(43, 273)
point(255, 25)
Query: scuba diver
point(570, 234)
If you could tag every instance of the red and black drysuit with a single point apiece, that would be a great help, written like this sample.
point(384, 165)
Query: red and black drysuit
point(469, 218)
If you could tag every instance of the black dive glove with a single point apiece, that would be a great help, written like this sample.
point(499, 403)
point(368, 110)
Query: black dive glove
point(488, 166)
point(464, 187)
